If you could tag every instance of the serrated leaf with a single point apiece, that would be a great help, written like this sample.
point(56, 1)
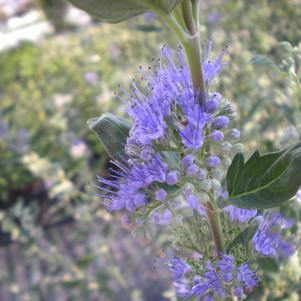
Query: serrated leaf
point(119, 10)
point(242, 238)
point(112, 131)
point(264, 181)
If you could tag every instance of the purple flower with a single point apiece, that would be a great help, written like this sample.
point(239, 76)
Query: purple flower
point(238, 291)
point(91, 77)
point(199, 288)
point(268, 240)
point(214, 17)
point(213, 161)
point(149, 17)
point(263, 241)
point(179, 268)
point(149, 122)
point(147, 154)
point(182, 289)
point(168, 85)
point(192, 135)
point(247, 277)
point(193, 203)
point(161, 217)
point(211, 68)
point(220, 122)
point(285, 248)
point(238, 215)
point(226, 266)
point(218, 280)
point(125, 190)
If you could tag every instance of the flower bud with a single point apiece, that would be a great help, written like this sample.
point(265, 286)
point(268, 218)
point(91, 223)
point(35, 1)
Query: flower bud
point(172, 178)
point(191, 170)
point(206, 185)
point(220, 122)
point(226, 147)
point(204, 198)
point(146, 154)
point(217, 136)
point(213, 103)
point(187, 160)
point(218, 174)
point(202, 174)
point(238, 147)
point(234, 134)
point(227, 107)
point(213, 161)
point(258, 220)
point(160, 194)
point(238, 292)
point(216, 184)
point(227, 161)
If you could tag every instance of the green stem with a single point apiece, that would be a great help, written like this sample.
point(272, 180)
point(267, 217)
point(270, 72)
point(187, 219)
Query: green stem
point(192, 47)
point(188, 16)
point(215, 227)
point(190, 41)
point(196, 8)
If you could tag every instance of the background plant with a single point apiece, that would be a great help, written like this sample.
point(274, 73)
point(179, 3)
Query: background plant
point(245, 40)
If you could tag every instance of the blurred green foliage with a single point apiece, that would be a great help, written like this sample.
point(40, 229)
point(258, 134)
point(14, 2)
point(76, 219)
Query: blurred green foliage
point(49, 157)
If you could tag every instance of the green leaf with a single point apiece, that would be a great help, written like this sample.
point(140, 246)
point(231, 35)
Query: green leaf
point(242, 238)
point(112, 131)
point(263, 61)
point(268, 264)
point(264, 181)
point(119, 10)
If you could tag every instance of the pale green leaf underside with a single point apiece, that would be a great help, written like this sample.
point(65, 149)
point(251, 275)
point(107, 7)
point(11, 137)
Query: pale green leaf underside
point(119, 10)
point(113, 131)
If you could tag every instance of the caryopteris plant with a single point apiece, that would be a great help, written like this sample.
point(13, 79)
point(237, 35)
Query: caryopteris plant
point(179, 164)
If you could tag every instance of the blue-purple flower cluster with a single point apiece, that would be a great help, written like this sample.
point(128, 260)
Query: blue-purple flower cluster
point(178, 147)
point(215, 281)
point(270, 240)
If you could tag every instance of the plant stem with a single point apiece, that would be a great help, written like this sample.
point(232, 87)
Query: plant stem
point(215, 227)
point(190, 41)
point(192, 47)
point(196, 11)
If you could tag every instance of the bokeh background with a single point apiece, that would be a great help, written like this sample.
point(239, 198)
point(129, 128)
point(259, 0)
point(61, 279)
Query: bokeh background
point(59, 67)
